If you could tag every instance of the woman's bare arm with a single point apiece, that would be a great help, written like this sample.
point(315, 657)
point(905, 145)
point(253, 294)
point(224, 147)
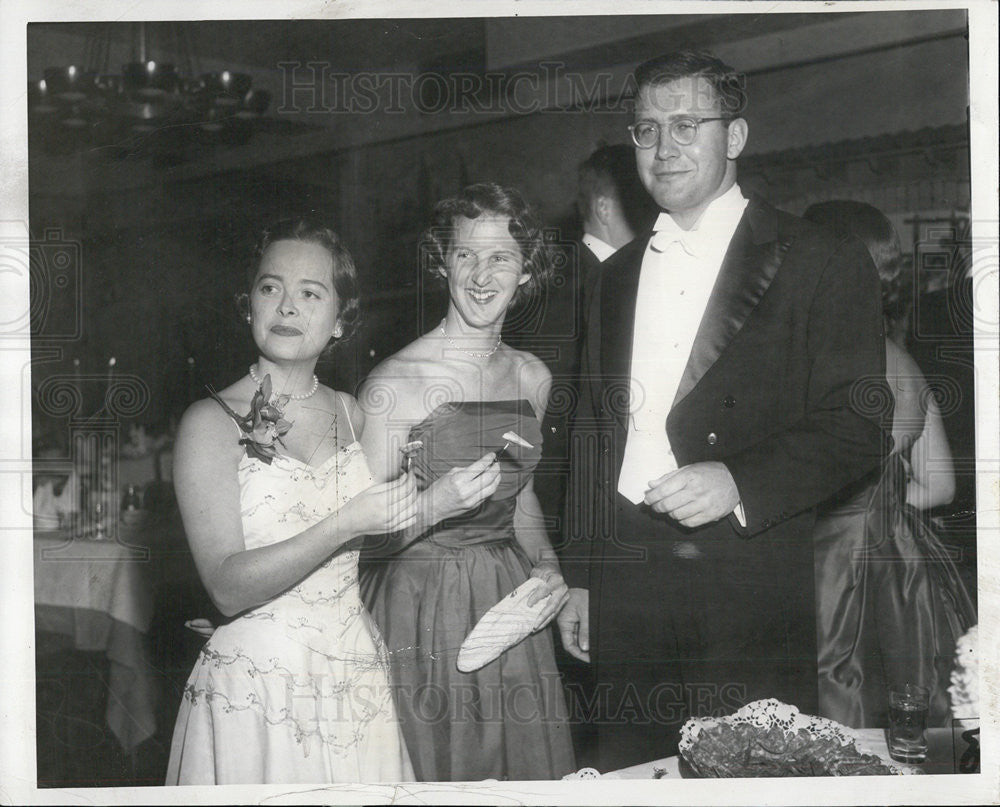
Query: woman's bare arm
point(917, 424)
point(932, 482)
point(206, 458)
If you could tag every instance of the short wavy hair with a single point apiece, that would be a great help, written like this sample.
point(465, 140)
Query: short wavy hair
point(728, 85)
point(869, 225)
point(490, 199)
point(611, 171)
point(345, 276)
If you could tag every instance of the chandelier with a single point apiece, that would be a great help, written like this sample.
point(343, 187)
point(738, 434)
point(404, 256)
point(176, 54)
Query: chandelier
point(150, 108)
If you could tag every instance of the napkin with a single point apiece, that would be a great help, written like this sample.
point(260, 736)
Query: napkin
point(508, 622)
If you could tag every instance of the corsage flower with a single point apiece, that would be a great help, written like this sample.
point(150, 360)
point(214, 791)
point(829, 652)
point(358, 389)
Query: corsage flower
point(264, 425)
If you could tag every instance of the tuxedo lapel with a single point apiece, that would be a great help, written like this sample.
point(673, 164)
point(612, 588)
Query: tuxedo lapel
point(753, 258)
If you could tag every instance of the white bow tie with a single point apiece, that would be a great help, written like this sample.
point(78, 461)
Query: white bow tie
point(688, 239)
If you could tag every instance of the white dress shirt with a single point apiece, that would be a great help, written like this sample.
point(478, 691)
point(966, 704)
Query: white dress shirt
point(601, 249)
point(678, 272)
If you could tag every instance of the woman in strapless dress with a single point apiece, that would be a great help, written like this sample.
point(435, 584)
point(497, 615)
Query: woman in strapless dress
point(890, 602)
point(452, 396)
point(295, 689)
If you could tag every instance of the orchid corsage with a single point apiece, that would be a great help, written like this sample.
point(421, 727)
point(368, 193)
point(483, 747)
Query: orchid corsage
point(264, 425)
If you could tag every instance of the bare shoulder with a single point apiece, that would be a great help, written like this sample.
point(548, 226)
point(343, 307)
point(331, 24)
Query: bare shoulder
point(901, 367)
point(530, 369)
point(390, 379)
point(349, 401)
point(207, 426)
point(533, 378)
point(906, 380)
point(350, 405)
point(397, 388)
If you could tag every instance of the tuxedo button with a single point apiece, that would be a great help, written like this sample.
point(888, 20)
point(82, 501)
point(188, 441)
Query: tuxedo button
point(729, 402)
point(712, 439)
point(766, 523)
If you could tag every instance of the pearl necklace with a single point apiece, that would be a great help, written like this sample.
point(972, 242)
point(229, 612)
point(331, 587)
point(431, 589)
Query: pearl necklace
point(476, 354)
point(312, 390)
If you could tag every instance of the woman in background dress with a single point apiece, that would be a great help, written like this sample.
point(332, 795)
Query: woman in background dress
point(458, 390)
point(890, 603)
point(296, 687)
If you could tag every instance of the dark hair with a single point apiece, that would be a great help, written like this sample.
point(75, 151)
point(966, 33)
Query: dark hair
point(611, 171)
point(490, 199)
point(345, 275)
point(728, 85)
point(875, 231)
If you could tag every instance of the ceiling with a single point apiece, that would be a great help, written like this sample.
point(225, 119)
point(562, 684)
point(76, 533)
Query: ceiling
point(372, 44)
point(760, 43)
point(394, 44)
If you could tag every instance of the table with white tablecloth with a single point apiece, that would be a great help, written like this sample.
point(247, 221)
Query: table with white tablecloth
point(98, 594)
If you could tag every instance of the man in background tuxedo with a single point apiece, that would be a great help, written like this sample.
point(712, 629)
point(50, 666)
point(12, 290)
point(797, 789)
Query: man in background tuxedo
point(611, 206)
point(731, 380)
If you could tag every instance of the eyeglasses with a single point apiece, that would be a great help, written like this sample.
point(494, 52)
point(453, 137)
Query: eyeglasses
point(684, 131)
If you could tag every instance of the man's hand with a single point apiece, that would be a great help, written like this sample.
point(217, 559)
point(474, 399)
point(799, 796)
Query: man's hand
point(695, 494)
point(574, 624)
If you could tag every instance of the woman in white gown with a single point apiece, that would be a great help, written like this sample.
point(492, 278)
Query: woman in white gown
point(296, 687)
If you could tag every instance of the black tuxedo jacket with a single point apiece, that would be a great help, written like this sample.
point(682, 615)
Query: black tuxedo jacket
point(785, 381)
point(552, 328)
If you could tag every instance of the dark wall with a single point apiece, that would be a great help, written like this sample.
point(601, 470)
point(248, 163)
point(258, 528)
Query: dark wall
point(165, 249)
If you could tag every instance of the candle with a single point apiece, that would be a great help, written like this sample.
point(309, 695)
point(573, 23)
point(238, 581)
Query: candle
point(111, 371)
point(78, 385)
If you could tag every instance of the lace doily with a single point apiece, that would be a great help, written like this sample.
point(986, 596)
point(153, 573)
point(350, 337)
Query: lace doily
point(771, 738)
point(766, 714)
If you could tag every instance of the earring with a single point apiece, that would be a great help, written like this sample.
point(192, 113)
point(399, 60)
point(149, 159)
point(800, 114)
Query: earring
point(249, 319)
point(338, 331)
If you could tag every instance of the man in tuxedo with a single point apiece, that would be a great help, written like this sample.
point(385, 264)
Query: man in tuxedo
point(732, 378)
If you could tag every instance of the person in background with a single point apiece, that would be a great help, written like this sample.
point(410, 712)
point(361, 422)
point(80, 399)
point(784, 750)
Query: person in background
point(611, 207)
point(940, 340)
point(451, 398)
point(54, 494)
point(890, 603)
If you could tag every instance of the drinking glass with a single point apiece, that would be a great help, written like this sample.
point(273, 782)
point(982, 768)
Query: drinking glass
point(908, 705)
